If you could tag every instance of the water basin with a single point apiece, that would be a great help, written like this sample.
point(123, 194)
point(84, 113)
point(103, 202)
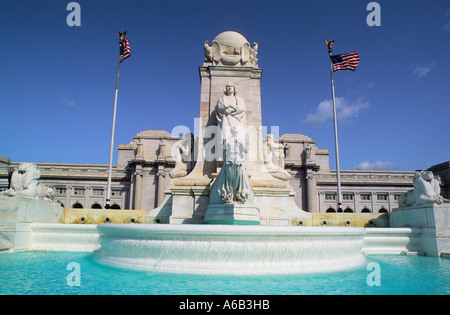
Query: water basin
point(231, 249)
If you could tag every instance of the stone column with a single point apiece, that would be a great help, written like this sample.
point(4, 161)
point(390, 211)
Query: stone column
point(321, 206)
point(372, 200)
point(67, 200)
point(357, 199)
point(311, 177)
point(390, 201)
point(161, 175)
point(87, 195)
point(311, 183)
point(138, 174)
point(130, 195)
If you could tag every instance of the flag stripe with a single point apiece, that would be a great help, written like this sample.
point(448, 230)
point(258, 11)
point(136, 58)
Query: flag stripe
point(345, 61)
point(125, 50)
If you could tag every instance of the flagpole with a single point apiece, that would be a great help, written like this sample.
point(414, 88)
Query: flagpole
point(330, 44)
point(111, 149)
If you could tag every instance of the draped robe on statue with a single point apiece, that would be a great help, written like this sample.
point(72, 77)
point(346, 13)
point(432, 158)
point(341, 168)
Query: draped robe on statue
point(232, 184)
point(230, 112)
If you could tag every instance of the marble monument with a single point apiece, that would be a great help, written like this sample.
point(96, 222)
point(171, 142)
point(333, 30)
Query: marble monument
point(238, 178)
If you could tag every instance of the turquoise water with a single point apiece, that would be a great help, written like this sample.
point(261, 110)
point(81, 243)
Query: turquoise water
point(47, 273)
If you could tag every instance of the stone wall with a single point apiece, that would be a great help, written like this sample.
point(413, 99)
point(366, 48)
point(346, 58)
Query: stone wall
point(434, 222)
point(15, 211)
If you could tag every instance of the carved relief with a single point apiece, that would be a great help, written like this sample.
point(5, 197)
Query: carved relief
point(274, 158)
point(183, 157)
point(231, 49)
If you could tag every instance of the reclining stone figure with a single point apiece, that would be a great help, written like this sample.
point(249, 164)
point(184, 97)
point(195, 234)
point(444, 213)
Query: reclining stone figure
point(426, 190)
point(24, 182)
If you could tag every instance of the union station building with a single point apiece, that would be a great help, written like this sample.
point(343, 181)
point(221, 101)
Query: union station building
point(142, 173)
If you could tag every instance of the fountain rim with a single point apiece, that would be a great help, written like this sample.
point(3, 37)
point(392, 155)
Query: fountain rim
point(230, 249)
point(217, 229)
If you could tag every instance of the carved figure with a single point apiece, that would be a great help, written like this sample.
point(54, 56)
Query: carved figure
point(254, 54)
point(287, 149)
point(426, 190)
point(231, 49)
point(140, 149)
point(162, 150)
point(24, 182)
point(208, 52)
point(230, 113)
point(232, 184)
point(45, 192)
point(274, 158)
point(308, 150)
point(182, 157)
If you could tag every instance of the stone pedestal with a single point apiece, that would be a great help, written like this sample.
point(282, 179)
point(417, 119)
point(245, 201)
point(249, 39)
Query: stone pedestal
point(433, 219)
point(14, 211)
point(182, 205)
point(232, 214)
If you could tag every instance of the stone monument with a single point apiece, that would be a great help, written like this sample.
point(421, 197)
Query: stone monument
point(237, 178)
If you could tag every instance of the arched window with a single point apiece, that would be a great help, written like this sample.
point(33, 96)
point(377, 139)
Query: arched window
point(348, 210)
point(77, 205)
point(330, 210)
point(115, 207)
point(365, 210)
point(383, 210)
point(96, 206)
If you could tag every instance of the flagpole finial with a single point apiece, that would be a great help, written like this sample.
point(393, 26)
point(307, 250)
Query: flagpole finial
point(122, 35)
point(329, 45)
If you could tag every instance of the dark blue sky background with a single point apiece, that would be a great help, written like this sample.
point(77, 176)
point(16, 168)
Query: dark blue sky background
point(57, 82)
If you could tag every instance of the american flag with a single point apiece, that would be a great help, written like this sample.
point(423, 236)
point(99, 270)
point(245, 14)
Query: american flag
point(345, 61)
point(125, 50)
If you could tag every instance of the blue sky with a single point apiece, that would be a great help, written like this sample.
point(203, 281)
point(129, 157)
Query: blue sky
point(57, 82)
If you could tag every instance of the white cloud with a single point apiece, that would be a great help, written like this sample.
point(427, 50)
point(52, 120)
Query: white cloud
point(447, 25)
point(345, 110)
point(376, 166)
point(422, 71)
point(69, 102)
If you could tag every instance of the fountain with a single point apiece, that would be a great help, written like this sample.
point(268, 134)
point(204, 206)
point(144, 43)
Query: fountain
point(231, 249)
point(232, 214)
point(243, 194)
